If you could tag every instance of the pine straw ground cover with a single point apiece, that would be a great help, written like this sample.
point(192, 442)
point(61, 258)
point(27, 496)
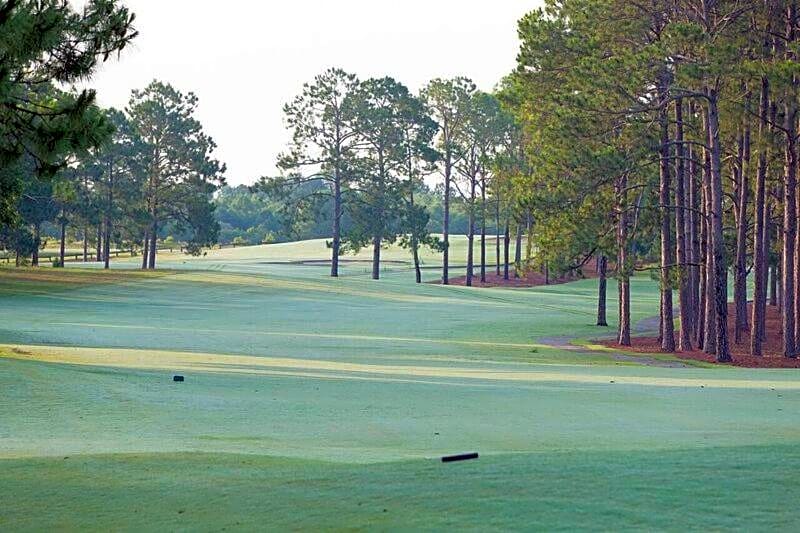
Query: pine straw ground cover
point(772, 347)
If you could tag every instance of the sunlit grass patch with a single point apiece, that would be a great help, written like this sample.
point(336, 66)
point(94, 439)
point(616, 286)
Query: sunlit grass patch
point(10, 276)
point(319, 368)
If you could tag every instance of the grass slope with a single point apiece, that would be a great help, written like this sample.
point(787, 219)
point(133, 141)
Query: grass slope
point(709, 489)
point(317, 403)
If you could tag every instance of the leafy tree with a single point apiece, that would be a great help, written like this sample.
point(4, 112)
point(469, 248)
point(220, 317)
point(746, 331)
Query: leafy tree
point(37, 205)
point(449, 103)
point(418, 160)
point(44, 43)
point(176, 158)
point(322, 145)
point(389, 125)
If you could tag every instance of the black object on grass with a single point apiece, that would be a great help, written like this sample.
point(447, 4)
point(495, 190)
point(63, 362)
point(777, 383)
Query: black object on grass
point(462, 457)
point(177, 378)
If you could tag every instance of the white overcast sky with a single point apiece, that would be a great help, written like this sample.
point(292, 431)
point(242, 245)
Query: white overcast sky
point(246, 58)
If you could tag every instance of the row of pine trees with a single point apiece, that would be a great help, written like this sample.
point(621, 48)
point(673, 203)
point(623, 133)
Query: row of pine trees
point(664, 135)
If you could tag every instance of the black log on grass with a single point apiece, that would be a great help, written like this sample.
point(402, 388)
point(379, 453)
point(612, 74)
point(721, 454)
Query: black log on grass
point(462, 457)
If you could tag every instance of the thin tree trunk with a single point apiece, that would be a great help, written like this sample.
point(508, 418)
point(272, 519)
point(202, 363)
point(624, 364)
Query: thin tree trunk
point(337, 224)
point(518, 251)
point(471, 235)
point(99, 247)
point(779, 283)
point(415, 255)
point(376, 257)
point(684, 293)
point(624, 300)
point(145, 250)
point(483, 229)
point(693, 237)
point(789, 233)
point(107, 245)
point(718, 245)
point(37, 242)
point(702, 272)
point(85, 244)
point(107, 221)
point(151, 262)
point(760, 231)
point(602, 263)
point(498, 235)
point(506, 249)
point(667, 325)
point(790, 195)
point(446, 222)
point(414, 239)
point(797, 278)
point(63, 245)
point(773, 286)
point(710, 334)
point(740, 281)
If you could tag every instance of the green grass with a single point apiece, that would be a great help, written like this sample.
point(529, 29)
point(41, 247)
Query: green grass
point(317, 403)
point(730, 488)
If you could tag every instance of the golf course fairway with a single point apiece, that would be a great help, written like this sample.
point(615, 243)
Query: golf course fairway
point(316, 403)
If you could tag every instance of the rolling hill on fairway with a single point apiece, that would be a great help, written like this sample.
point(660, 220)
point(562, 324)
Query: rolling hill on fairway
point(338, 397)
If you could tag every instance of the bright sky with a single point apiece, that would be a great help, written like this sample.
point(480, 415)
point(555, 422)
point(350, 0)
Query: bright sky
point(246, 58)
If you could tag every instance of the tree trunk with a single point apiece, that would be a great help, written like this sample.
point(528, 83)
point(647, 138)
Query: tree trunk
point(337, 224)
point(506, 250)
point(145, 250)
point(779, 290)
point(718, 245)
point(667, 325)
point(797, 278)
point(789, 231)
point(710, 323)
point(376, 257)
point(483, 229)
point(518, 251)
point(773, 286)
point(702, 280)
point(602, 263)
point(471, 234)
point(760, 231)
point(107, 245)
point(498, 235)
point(151, 262)
point(85, 244)
point(693, 241)
point(63, 244)
point(99, 247)
point(415, 255)
point(107, 221)
point(446, 221)
point(624, 300)
point(37, 242)
point(790, 195)
point(740, 280)
point(684, 293)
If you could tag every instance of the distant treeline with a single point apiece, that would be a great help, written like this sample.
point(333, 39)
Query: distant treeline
point(256, 217)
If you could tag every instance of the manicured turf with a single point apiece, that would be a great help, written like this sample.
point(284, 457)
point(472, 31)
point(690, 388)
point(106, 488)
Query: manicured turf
point(312, 403)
